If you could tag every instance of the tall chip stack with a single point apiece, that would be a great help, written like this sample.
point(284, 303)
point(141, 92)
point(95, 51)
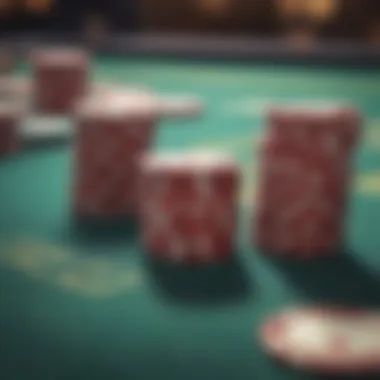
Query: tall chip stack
point(61, 78)
point(112, 131)
point(10, 123)
point(189, 206)
point(306, 171)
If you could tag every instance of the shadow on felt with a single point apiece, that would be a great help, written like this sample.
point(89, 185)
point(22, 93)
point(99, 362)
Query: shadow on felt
point(290, 371)
point(341, 279)
point(102, 232)
point(211, 284)
point(297, 372)
point(349, 377)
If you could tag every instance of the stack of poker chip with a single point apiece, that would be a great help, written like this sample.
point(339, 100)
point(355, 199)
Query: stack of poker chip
point(10, 121)
point(188, 206)
point(305, 176)
point(112, 131)
point(61, 78)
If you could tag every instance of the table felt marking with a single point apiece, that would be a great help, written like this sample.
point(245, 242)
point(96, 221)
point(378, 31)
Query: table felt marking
point(249, 190)
point(249, 141)
point(248, 106)
point(368, 184)
point(62, 268)
point(246, 144)
point(372, 134)
point(101, 283)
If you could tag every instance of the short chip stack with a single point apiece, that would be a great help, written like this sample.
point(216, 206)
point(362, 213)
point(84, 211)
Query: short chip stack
point(61, 78)
point(189, 206)
point(111, 133)
point(10, 119)
point(325, 340)
point(305, 177)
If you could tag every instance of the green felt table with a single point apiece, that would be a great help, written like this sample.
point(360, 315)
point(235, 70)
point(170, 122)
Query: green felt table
point(91, 306)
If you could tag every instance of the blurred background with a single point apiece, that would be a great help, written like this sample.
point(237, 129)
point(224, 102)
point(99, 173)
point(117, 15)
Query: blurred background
point(298, 20)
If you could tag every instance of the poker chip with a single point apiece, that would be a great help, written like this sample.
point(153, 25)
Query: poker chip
point(118, 104)
point(9, 109)
point(306, 120)
point(61, 78)
point(306, 170)
point(187, 161)
point(180, 106)
point(188, 206)
point(15, 88)
point(38, 127)
point(112, 131)
point(59, 57)
point(114, 89)
point(325, 340)
point(41, 130)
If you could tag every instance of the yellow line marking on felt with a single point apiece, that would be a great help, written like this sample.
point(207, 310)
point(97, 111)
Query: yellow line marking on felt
point(368, 183)
point(372, 134)
point(249, 141)
point(102, 282)
point(58, 266)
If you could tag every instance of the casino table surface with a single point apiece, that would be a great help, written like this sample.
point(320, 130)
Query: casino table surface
point(88, 304)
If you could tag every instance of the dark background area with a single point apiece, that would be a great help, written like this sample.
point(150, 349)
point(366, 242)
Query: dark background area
point(352, 19)
point(68, 16)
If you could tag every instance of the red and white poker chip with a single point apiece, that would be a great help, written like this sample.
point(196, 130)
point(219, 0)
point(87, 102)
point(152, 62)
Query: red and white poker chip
point(46, 130)
point(60, 57)
point(12, 87)
point(325, 340)
point(125, 104)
